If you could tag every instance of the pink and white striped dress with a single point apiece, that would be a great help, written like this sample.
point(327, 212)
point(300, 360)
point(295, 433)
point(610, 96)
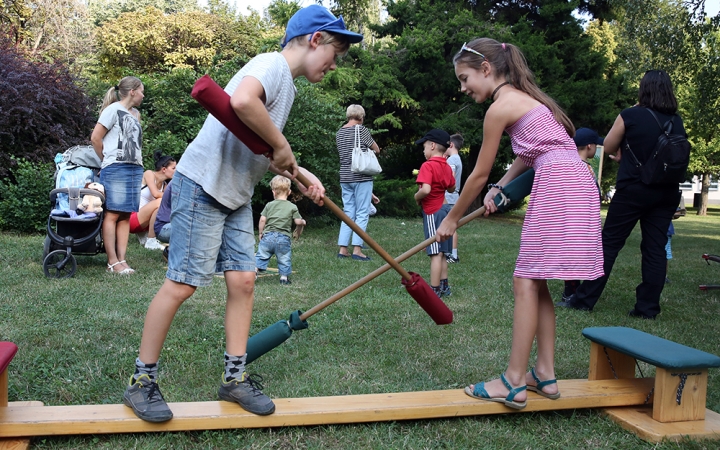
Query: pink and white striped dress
point(561, 235)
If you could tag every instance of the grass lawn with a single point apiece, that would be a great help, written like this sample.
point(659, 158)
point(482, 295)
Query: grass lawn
point(79, 337)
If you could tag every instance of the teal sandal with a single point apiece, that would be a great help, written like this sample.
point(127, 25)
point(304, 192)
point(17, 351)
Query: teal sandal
point(482, 394)
point(541, 384)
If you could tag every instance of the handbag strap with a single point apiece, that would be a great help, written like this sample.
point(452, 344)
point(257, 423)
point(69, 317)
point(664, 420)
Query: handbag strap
point(357, 142)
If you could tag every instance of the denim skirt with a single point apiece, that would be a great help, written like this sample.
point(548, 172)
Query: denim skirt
point(122, 183)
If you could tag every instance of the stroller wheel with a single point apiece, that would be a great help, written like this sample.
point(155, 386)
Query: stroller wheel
point(59, 264)
point(46, 246)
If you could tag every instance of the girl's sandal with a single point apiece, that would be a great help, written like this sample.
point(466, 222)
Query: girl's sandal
point(509, 401)
point(541, 384)
point(111, 269)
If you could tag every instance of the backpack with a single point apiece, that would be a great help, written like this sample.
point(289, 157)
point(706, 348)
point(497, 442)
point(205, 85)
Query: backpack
point(669, 158)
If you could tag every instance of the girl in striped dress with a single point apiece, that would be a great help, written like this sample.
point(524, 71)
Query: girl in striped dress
point(561, 234)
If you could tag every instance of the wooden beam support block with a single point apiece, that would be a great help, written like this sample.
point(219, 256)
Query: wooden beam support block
point(692, 397)
point(4, 388)
point(601, 369)
point(98, 419)
point(18, 443)
point(639, 420)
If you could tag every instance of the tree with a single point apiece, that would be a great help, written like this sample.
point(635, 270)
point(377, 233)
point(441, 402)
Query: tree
point(43, 111)
point(154, 41)
point(102, 11)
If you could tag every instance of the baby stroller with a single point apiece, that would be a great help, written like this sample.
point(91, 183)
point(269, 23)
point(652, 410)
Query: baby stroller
point(70, 229)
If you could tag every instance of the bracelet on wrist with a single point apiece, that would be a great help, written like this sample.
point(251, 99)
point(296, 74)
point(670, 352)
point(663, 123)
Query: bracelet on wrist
point(493, 185)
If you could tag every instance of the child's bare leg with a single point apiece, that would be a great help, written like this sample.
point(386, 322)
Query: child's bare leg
point(525, 323)
point(436, 269)
point(238, 310)
point(443, 267)
point(545, 364)
point(160, 315)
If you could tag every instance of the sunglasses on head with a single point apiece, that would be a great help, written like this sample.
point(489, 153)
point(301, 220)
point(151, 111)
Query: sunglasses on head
point(472, 50)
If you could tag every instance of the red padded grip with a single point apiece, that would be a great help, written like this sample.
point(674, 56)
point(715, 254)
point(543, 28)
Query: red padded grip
point(7, 353)
point(217, 102)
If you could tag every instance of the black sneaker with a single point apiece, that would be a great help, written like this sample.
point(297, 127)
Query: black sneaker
point(286, 281)
point(247, 392)
point(571, 303)
point(147, 402)
point(637, 314)
point(451, 259)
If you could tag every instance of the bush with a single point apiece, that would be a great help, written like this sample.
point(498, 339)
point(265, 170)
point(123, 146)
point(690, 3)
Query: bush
point(42, 109)
point(397, 198)
point(25, 205)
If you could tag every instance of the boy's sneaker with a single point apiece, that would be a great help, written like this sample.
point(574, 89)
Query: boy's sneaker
point(285, 281)
point(147, 402)
point(153, 244)
point(451, 259)
point(247, 392)
point(445, 292)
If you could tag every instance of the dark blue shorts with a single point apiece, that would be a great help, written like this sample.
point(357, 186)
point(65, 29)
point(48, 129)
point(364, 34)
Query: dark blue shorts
point(431, 222)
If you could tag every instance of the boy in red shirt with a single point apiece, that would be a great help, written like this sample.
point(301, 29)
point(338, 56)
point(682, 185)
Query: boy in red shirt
point(435, 177)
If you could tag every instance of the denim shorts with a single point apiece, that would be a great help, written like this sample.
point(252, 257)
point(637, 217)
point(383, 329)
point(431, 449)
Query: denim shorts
point(206, 237)
point(122, 183)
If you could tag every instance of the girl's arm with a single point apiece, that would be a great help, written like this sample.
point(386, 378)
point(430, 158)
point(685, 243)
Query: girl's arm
point(96, 138)
point(517, 168)
point(493, 127)
point(149, 181)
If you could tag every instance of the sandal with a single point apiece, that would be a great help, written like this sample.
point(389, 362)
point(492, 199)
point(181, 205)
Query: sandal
point(541, 384)
point(125, 271)
point(480, 393)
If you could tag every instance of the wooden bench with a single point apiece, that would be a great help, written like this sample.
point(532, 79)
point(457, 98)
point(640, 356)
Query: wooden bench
point(680, 387)
point(7, 353)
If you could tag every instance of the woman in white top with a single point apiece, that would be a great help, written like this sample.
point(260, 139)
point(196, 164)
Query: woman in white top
point(154, 182)
point(117, 139)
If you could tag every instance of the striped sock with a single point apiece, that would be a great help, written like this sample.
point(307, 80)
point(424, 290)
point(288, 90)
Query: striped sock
point(151, 370)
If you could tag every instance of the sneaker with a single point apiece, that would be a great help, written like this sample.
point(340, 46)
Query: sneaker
point(147, 402)
point(638, 315)
point(142, 237)
point(153, 244)
point(451, 259)
point(445, 292)
point(166, 253)
point(286, 281)
point(247, 392)
point(571, 303)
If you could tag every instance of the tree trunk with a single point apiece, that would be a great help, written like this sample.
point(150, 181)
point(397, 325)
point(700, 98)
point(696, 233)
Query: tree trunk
point(702, 210)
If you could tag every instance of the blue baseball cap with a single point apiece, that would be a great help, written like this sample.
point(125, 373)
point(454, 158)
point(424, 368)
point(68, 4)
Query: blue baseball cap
point(314, 18)
point(585, 136)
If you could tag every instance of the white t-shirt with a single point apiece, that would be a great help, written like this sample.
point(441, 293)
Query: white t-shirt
point(123, 141)
point(455, 164)
point(217, 160)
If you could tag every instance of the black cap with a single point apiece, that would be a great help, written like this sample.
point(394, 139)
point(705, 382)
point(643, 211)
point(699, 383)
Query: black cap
point(585, 136)
point(437, 136)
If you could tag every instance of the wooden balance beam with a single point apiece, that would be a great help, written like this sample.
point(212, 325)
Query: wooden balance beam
point(25, 421)
point(677, 410)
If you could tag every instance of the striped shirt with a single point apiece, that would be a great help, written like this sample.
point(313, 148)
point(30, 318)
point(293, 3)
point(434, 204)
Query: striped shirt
point(345, 140)
point(216, 159)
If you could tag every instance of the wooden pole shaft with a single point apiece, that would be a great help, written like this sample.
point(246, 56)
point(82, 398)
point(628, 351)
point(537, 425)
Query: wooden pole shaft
point(359, 231)
point(371, 276)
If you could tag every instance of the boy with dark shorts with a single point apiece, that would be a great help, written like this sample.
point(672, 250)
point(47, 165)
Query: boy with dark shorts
point(434, 179)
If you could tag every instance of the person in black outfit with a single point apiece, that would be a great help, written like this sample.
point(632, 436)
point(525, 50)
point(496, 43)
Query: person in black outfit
point(652, 205)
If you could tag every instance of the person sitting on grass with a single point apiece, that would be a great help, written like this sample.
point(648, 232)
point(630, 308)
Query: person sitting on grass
point(162, 227)
point(434, 179)
point(154, 182)
point(275, 229)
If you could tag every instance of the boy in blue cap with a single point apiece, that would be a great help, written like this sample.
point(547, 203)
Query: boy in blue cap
point(212, 225)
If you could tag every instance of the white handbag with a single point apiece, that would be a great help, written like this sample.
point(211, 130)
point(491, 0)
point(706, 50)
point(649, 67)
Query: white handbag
point(363, 161)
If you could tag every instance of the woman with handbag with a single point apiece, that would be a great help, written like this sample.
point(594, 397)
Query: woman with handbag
point(358, 164)
point(634, 136)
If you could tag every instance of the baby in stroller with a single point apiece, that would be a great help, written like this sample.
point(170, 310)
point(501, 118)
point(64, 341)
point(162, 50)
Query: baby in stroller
point(75, 221)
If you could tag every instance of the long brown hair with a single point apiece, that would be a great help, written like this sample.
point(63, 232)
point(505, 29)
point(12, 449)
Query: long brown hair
point(120, 91)
point(509, 63)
